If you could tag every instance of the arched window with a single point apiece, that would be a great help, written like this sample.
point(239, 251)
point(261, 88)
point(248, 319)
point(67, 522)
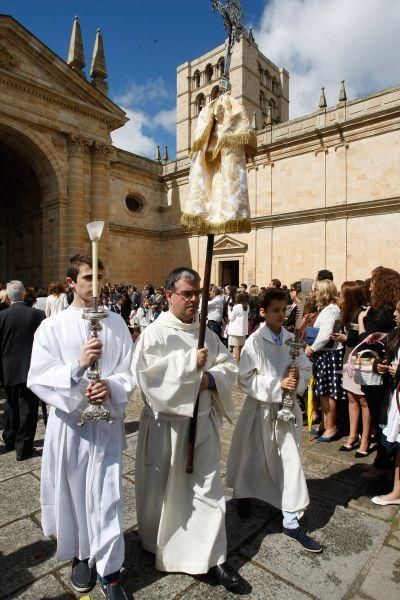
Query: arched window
point(262, 102)
point(200, 103)
point(209, 71)
point(221, 66)
point(274, 85)
point(267, 79)
point(214, 92)
point(272, 104)
point(196, 79)
point(260, 73)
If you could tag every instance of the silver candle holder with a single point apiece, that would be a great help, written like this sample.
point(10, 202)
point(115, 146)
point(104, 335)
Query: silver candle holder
point(296, 344)
point(95, 411)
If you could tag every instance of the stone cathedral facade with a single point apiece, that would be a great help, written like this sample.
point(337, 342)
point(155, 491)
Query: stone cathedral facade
point(324, 188)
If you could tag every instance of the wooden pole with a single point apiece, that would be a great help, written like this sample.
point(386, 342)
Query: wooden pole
point(202, 335)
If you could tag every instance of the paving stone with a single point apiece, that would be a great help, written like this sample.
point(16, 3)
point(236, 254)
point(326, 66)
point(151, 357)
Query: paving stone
point(364, 504)
point(383, 580)
point(344, 472)
point(11, 467)
point(331, 450)
point(26, 555)
point(394, 539)
point(20, 496)
point(237, 529)
point(129, 503)
point(258, 585)
point(131, 442)
point(328, 575)
point(128, 464)
point(313, 463)
point(331, 488)
point(47, 588)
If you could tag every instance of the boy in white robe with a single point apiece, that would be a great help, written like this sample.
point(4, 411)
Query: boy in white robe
point(81, 467)
point(264, 460)
point(181, 516)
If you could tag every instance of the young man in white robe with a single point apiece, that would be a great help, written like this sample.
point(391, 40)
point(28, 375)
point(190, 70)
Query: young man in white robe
point(181, 516)
point(81, 495)
point(264, 460)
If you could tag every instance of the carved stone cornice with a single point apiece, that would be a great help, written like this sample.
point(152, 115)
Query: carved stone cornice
point(7, 60)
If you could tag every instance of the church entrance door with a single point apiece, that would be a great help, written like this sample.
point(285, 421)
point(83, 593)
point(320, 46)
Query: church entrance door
point(228, 273)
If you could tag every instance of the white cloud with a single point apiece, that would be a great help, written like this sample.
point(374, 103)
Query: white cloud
point(132, 137)
point(154, 91)
point(166, 119)
point(321, 42)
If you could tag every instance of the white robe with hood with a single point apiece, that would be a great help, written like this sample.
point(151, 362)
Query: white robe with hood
point(181, 516)
point(264, 460)
point(81, 466)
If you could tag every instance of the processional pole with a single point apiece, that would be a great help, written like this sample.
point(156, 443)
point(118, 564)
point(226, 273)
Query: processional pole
point(199, 218)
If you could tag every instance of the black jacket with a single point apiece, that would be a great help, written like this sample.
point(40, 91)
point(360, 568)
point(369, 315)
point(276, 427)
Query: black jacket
point(18, 324)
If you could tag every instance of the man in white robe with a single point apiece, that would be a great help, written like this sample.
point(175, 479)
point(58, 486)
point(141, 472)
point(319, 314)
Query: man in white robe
point(181, 516)
point(81, 467)
point(264, 460)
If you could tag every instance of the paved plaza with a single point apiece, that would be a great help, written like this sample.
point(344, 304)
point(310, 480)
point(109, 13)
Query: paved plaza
point(361, 557)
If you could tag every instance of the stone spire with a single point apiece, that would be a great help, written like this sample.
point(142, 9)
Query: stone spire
point(269, 116)
point(98, 70)
point(322, 99)
point(165, 155)
point(342, 93)
point(158, 153)
point(76, 58)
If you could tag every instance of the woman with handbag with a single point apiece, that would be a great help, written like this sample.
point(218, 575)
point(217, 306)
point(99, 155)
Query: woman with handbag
point(351, 303)
point(390, 440)
point(378, 317)
point(327, 356)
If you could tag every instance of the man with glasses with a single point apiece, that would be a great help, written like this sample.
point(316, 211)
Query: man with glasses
point(181, 516)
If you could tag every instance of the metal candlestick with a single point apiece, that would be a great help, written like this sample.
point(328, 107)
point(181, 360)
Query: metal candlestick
point(296, 344)
point(95, 411)
point(286, 413)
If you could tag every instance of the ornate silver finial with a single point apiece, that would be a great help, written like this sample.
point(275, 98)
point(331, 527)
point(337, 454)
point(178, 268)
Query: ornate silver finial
point(342, 92)
point(76, 57)
point(322, 99)
point(232, 13)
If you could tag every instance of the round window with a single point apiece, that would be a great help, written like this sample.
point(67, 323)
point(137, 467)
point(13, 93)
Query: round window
point(134, 204)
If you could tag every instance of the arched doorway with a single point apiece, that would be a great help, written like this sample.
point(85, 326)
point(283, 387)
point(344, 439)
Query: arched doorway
point(28, 184)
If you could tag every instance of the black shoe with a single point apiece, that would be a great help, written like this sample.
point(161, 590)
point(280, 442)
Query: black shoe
point(83, 578)
point(300, 536)
point(7, 448)
point(226, 575)
point(243, 508)
point(113, 591)
point(30, 454)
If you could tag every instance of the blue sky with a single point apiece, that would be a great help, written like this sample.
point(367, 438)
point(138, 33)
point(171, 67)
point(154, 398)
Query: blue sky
point(145, 40)
point(319, 42)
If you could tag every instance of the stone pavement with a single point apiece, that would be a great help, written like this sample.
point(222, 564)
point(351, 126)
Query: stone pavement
point(361, 557)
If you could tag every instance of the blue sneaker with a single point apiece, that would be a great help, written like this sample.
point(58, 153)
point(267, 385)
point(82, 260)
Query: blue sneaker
point(300, 536)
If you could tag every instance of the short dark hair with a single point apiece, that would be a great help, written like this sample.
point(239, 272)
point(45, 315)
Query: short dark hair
point(180, 273)
point(276, 283)
point(324, 274)
point(296, 287)
point(272, 294)
point(75, 263)
point(244, 285)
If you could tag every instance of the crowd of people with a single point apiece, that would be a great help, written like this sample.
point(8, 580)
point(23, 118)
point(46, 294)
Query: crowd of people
point(349, 368)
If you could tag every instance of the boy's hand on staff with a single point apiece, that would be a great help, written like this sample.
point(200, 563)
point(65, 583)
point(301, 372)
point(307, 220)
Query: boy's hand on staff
point(290, 380)
point(202, 355)
point(98, 391)
point(91, 350)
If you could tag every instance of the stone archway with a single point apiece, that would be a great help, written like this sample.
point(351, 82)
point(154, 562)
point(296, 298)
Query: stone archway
point(30, 211)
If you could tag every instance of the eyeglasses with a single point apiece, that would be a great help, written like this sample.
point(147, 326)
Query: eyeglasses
point(188, 294)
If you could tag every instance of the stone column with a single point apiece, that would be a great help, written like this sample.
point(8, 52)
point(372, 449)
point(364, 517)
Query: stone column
point(76, 222)
point(99, 195)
